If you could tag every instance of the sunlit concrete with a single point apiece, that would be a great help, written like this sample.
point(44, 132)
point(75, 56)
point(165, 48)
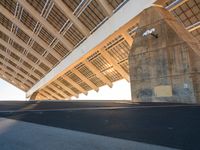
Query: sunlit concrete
point(117, 20)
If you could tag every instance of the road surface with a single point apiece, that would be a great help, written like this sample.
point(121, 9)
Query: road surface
point(164, 124)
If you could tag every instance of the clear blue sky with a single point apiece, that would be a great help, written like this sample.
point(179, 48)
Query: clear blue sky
point(119, 91)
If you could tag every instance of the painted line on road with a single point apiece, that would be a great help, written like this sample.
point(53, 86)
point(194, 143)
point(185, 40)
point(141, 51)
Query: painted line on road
point(91, 108)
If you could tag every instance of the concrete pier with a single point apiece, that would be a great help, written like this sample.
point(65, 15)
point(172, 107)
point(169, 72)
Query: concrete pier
point(164, 60)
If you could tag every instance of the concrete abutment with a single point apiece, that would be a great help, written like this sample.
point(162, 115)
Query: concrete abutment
point(164, 60)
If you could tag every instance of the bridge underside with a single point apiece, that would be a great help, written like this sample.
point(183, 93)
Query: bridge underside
point(56, 49)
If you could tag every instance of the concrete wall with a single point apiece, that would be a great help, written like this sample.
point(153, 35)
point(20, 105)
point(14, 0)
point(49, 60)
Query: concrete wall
point(164, 65)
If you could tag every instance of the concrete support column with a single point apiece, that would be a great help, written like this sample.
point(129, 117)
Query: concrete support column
point(164, 60)
point(34, 96)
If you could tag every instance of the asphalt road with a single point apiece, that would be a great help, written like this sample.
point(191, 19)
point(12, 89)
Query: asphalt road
point(165, 124)
point(52, 105)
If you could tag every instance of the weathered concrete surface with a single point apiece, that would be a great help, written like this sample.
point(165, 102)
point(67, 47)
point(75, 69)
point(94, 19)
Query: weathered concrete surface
point(34, 96)
point(164, 64)
point(18, 135)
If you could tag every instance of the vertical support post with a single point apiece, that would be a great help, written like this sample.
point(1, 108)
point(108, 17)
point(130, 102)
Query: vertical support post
point(164, 60)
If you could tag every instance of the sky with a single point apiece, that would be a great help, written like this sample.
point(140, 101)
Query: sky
point(119, 91)
point(10, 92)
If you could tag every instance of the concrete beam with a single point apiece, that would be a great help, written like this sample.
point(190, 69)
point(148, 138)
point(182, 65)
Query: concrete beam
point(77, 86)
point(41, 97)
point(172, 6)
point(67, 12)
point(101, 76)
point(115, 65)
point(52, 94)
point(128, 38)
point(22, 56)
point(45, 23)
point(58, 91)
point(66, 88)
point(21, 65)
point(24, 45)
point(10, 72)
point(9, 79)
point(85, 79)
point(106, 7)
point(160, 2)
point(34, 96)
point(193, 27)
point(29, 32)
point(18, 71)
point(124, 17)
point(175, 4)
point(48, 97)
